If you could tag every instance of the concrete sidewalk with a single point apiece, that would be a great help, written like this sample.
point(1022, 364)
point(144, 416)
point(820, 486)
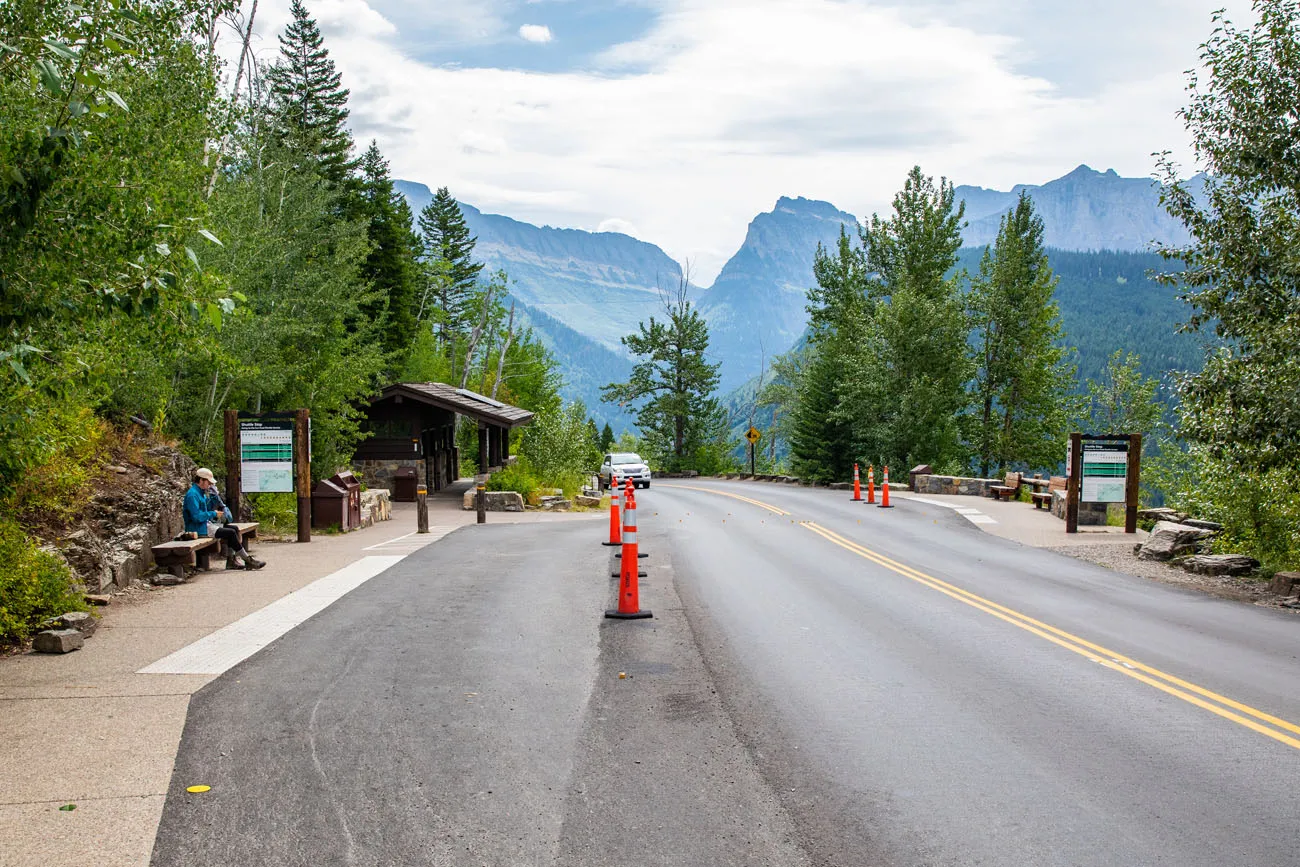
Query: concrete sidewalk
point(88, 729)
point(1022, 523)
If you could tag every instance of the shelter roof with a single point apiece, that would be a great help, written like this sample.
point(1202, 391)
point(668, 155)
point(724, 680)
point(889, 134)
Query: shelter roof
point(460, 400)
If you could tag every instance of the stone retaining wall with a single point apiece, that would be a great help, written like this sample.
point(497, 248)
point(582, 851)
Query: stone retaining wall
point(955, 485)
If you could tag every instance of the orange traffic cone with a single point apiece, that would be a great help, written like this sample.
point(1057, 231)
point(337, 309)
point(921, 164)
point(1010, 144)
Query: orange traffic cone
point(614, 530)
point(629, 593)
point(629, 495)
point(884, 491)
point(871, 484)
point(857, 486)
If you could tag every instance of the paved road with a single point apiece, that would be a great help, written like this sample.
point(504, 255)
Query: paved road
point(823, 683)
point(924, 693)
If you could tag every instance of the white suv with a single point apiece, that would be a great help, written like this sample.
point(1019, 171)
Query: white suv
point(626, 465)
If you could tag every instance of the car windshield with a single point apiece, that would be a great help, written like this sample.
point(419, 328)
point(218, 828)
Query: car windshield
point(628, 458)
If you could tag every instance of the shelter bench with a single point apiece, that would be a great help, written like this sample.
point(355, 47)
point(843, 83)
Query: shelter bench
point(176, 555)
point(1043, 499)
point(1008, 489)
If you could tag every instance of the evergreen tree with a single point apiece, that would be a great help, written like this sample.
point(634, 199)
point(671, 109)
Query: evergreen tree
point(606, 437)
point(821, 437)
point(1123, 401)
point(310, 100)
point(1022, 380)
point(392, 265)
point(906, 384)
point(451, 272)
point(681, 419)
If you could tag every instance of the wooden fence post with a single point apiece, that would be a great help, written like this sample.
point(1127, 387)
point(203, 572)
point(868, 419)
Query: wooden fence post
point(1131, 491)
point(422, 509)
point(302, 470)
point(1074, 487)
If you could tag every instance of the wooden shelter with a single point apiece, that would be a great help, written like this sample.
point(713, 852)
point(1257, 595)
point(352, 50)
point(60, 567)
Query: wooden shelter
point(413, 424)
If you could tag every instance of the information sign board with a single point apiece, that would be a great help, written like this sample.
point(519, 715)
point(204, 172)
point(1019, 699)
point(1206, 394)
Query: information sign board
point(1105, 471)
point(266, 455)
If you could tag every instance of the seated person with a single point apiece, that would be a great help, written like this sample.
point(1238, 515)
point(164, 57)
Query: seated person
point(198, 515)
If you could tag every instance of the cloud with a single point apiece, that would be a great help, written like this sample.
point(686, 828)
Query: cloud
point(725, 105)
point(535, 33)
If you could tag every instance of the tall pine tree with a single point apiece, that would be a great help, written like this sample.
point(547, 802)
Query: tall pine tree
point(906, 388)
point(1022, 378)
point(392, 264)
point(450, 272)
point(310, 100)
point(821, 442)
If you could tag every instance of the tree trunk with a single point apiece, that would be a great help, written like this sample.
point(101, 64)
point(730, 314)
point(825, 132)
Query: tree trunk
point(505, 347)
point(476, 335)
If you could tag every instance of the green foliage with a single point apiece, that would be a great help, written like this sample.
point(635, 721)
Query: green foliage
point(517, 477)
point(309, 99)
point(557, 446)
point(34, 585)
point(1022, 380)
point(679, 415)
point(1123, 401)
point(450, 272)
point(391, 266)
point(606, 437)
point(277, 513)
point(1240, 272)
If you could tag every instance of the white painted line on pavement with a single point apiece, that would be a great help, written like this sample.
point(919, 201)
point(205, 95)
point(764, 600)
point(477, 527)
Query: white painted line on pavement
point(931, 502)
point(390, 541)
point(232, 644)
point(980, 519)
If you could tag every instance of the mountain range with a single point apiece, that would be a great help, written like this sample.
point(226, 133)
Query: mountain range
point(582, 291)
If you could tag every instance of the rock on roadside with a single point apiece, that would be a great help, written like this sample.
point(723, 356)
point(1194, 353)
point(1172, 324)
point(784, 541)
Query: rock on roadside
point(1220, 564)
point(58, 641)
point(1169, 540)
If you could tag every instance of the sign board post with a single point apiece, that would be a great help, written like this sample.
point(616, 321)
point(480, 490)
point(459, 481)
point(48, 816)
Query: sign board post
point(1103, 469)
point(753, 435)
point(270, 454)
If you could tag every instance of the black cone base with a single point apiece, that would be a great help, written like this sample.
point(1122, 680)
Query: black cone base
point(615, 614)
point(640, 556)
point(883, 506)
point(641, 574)
point(612, 544)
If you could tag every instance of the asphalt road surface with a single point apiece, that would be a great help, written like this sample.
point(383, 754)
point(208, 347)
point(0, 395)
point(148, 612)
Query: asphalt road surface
point(824, 682)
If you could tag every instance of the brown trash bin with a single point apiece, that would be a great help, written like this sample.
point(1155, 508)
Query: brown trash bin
point(919, 470)
point(349, 484)
point(405, 481)
point(329, 505)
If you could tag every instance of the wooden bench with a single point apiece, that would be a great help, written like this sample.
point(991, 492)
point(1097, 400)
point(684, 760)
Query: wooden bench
point(247, 533)
point(1008, 490)
point(175, 556)
point(1043, 499)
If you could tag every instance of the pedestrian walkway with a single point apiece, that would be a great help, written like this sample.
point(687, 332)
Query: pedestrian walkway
point(1022, 523)
point(99, 728)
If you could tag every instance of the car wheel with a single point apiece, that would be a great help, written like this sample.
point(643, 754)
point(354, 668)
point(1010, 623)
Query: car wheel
point(645, 484)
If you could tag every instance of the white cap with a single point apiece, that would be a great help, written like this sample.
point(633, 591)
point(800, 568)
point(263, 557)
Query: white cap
point(205, 473)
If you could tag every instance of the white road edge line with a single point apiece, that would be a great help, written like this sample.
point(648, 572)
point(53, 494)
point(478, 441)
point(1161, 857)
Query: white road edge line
point(390, 541)
point(232, 644)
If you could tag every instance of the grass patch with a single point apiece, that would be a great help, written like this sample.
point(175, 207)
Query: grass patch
point(35, 585)
point(276, 513)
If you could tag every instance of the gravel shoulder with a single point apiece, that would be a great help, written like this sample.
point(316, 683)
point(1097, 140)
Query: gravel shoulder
point(1122, 559)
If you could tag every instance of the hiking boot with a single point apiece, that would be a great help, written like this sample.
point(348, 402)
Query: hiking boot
point(233, 563)
point(251, 562)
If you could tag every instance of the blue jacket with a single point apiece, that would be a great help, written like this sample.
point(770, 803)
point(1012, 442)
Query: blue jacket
point(196, 511)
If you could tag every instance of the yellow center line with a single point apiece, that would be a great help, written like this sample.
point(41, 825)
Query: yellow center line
point(758, 503)
point(1189, 692)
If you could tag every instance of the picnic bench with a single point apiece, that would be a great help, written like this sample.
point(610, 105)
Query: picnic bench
point(1043, 499)
point(1008, 489)
point(197, 553)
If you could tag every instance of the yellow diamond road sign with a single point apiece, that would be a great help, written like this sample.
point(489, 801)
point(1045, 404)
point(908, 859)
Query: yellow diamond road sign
point(752, 435)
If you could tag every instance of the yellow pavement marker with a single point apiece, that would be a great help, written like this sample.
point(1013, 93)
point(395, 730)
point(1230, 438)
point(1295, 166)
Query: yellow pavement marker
point(1167, 683)
point(775, 510)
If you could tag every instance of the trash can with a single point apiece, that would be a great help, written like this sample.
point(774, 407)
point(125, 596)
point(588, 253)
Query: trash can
point(350, 486)
point(919, 470)
point(329, 505)
point(405, 481)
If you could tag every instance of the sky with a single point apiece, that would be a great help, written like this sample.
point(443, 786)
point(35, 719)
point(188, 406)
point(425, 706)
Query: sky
point(677, 121)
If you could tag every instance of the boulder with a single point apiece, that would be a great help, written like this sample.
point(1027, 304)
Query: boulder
point(1161, 514)
point(81, 621)
point(58, 641)
point(1169, 540)
point(99, 598)
point(584, 500)
point(1284, 583)
point(555, 503)
point(1220, 564)
point(165, 579)
point(1212, 526)
point(495, 501)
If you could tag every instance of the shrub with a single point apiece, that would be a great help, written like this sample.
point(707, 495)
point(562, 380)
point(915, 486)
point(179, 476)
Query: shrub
point(276, 513)
point(34, 585)
point(517, 477)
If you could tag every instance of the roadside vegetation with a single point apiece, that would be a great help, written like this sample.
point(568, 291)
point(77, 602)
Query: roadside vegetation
point(179, 237)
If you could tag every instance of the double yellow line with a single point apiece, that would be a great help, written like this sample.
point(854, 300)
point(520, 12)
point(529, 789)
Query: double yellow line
point(773, 509)
point(1242, 714)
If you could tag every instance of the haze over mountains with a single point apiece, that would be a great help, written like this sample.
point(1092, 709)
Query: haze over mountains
point(583, 290)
